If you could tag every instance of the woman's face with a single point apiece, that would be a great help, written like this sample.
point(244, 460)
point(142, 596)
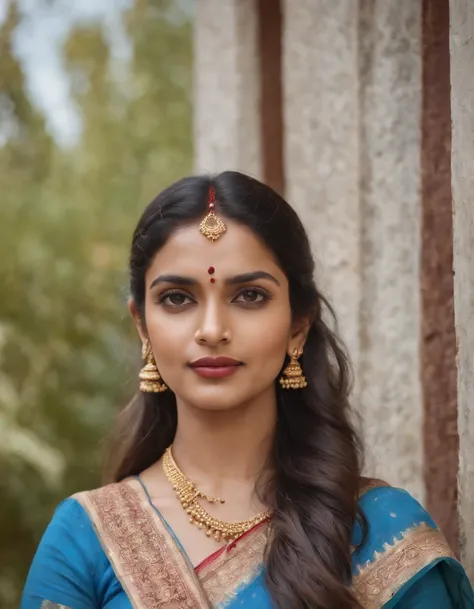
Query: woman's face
point(223, 299)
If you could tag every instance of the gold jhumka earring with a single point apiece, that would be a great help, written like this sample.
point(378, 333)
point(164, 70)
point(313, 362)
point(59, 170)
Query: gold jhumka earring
point(150, 378)
point(293, 377)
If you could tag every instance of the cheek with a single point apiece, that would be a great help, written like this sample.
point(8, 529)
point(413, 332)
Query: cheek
point(267, 339)
point(168, 336)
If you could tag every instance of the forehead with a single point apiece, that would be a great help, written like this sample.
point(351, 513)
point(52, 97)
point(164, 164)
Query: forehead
point(238, 250)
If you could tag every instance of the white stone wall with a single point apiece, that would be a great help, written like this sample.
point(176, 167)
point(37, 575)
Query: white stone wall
point(390, 395)
point(352, 91)
point(462, 110)
point(321, 108)
point(227, 87)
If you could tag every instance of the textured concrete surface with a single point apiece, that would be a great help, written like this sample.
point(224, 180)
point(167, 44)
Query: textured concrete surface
point(390, 388)
point(227, 87)
point(352, 87)
point(462, 169)
point(320, 84)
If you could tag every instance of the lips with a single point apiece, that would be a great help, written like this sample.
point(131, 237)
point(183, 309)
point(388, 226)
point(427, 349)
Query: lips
point(215, 367)
point(215, 362)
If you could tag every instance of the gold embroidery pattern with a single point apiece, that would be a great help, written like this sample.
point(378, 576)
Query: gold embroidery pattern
point(151, 568)
point(51, 605)
point(379, 581)
point(237, 566)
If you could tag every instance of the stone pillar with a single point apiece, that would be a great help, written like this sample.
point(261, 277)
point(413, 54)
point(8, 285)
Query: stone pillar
point(320, 84)
point(390, 102)
point(462, 171)
point(227, 87)
point(352, 92)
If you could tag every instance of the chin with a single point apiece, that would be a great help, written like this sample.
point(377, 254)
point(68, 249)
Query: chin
point(217, 407)
point(214, 399)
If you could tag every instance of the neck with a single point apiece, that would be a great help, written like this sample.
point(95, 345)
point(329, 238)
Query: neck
point(216, 447)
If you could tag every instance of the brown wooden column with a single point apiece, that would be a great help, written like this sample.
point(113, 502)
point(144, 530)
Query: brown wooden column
point(438, 343)
point(269, 14)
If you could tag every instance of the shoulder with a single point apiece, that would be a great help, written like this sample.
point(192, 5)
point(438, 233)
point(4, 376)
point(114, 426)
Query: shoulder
point(112, 498)
point(69, 562)
point(69, 517)
point(71, 528)
point(392, 509)
point(393, 519)
point(73, 525)
point(401, 541)
point(73, 533)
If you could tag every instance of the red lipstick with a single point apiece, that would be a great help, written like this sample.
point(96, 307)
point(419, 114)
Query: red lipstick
point(215, 367)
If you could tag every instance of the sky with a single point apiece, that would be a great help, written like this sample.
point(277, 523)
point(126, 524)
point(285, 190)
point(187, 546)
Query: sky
point(38, 42)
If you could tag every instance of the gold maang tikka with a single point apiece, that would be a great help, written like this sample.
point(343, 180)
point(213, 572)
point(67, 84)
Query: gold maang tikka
point(212, 226)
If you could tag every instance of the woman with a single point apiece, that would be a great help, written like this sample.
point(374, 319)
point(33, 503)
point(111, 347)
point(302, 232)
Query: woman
point(236, 475)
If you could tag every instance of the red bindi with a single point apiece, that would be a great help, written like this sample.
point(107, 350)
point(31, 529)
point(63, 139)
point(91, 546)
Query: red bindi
point(211, 270)
point(212, 280)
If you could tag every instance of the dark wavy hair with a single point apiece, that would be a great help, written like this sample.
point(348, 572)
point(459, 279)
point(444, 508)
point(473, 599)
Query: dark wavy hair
point(316, 460)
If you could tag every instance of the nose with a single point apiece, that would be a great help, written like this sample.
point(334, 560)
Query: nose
point(213, 326)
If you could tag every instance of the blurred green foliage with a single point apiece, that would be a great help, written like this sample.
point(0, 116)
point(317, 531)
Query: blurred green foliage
point(68, 351)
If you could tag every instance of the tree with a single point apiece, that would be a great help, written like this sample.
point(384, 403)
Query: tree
point(65, 341)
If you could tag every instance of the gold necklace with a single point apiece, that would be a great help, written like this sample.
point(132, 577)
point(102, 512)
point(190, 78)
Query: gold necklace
point(189, 496)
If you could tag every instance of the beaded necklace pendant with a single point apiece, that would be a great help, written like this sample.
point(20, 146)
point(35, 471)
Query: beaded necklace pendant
point(189, 496)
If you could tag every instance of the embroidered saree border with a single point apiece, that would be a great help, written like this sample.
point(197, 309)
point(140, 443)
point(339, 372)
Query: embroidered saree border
point(155, 573)
point(151, 568)
point(234, 568)
point(391, 569)
point(50, 605)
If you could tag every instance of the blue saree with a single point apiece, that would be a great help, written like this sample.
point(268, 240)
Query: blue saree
point(111, 549)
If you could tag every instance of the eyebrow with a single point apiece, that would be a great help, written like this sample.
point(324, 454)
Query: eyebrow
point(235, 280)
point(248, 277)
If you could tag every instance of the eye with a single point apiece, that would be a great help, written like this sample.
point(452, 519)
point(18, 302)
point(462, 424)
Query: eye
point(174, 299)
point(252, 296)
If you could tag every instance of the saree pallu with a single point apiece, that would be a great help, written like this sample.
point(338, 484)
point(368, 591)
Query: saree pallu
point(111, 549)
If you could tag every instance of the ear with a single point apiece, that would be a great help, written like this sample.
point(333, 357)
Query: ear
point(299, 334)
point(137, 319)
